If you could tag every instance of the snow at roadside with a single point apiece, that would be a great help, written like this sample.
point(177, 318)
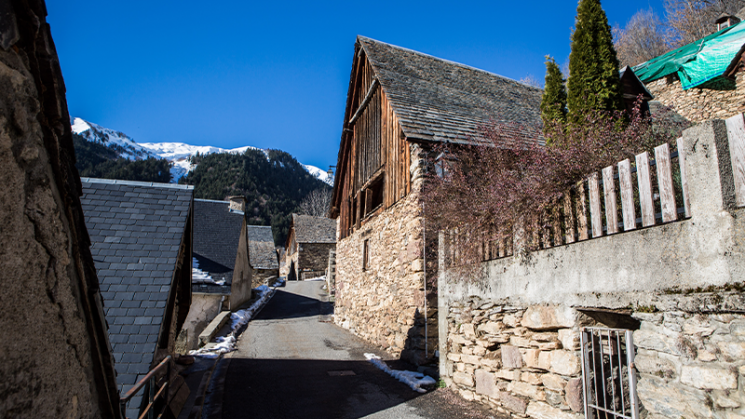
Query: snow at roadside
point(413, 379)
point(238, 319)
point(318, 278)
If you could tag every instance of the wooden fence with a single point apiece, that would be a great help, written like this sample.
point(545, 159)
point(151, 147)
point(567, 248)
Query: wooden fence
point(630, 195)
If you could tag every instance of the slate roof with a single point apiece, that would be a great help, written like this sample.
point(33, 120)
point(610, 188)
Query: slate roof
point(217, 233)
point(310, 229)
point(440, 100)
point(262, 253)
point(135, 229)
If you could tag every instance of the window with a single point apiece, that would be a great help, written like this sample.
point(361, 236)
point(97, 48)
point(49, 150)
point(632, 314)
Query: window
point(366, 255)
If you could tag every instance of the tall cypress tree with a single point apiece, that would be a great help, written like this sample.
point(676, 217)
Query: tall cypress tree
point(594, 82)
point(554, 101)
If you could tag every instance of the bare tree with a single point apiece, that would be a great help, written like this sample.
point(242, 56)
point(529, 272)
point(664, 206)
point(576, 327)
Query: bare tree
point(531, 80)
point(642, 39)
point(690, 20)
point(316, 203)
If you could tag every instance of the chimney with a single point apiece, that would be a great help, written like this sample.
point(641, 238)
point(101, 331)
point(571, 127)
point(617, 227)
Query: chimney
point(237, 203)
point(726, 20)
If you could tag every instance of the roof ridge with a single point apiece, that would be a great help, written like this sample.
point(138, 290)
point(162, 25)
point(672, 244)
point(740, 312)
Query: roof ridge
point(446, 61)
point(136, 183)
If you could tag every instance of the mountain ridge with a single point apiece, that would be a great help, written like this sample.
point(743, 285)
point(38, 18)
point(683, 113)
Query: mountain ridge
point(176, 153)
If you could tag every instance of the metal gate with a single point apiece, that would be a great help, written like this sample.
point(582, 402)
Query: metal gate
point(608, 377)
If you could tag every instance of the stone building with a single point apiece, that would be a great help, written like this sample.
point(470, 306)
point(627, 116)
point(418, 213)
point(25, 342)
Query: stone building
point(262, 254)
point(308, 245)
point(141, 241)
point(399, 103)
point(222, 276)
point(57, 361)
point(702, 80)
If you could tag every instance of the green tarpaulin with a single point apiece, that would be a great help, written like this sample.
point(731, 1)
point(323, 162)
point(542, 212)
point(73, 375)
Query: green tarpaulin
point(697, 62)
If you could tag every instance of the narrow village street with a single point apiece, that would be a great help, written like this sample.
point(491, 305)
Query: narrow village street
point(293, 362)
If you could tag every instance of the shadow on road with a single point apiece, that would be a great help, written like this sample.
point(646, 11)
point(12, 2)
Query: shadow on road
point(288, 305)
point(289, 388)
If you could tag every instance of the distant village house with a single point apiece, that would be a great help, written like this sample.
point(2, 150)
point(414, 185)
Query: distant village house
point(262, 254)
point(308, 245)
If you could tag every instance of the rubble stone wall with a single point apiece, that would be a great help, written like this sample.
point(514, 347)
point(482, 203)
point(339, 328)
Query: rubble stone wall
point(719, 99)
point(313, 258)
point(385, 303)
point(57, 360)
point(510, 339)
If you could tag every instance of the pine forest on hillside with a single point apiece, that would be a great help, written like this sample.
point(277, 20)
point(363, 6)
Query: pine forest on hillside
point(100, 161)
point(274, 183)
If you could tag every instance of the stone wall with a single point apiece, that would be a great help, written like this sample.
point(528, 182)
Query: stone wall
point(718, 99)
point(521, 361)
point(57, 360)
point(510, 338)
point(243, 275)
point(204, 308)
point(312, 259)
point(385, 303)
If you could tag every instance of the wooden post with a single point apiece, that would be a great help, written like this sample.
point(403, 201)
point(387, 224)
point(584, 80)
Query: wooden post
point(611, 206)
point(736, 136)
point(595, 214)
point(582, 230)
point(665, 183)
point(569, 218)
point(645, 189)
point(684, 176)
point(627, 195)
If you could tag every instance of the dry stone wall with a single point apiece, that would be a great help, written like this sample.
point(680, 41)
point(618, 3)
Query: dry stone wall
point(385, 303)
point(521, 361)
point(719, 99)
point(313, 258)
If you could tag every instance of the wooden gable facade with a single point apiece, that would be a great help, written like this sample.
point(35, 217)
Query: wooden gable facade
point(374, 159)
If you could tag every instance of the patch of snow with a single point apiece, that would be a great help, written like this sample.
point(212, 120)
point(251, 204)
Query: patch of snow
point(109, 137)
point(199, 276)
point(238, 319)
point(322, 175)
point(413, 379)
point(318, 278)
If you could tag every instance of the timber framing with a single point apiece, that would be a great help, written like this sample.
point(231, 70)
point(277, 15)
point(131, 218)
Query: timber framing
point(397, 97)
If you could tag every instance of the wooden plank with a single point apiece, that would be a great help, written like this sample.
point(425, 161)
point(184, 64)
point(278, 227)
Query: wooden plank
point(558, 238)
point(569, 228)
point(736, 136)
point(611, 201)
point(596, 216)
point(583, 232)
point(665, 183)
point(645, 189)
point(627, 195)
point(684, 177)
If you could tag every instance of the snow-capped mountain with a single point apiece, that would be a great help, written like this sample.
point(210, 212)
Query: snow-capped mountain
point(176, 153)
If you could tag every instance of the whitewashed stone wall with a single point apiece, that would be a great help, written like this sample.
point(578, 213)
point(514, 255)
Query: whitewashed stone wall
point(385, 303)
point(701, 103)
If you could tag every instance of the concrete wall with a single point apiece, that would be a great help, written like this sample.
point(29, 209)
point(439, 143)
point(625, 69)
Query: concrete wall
point(510, 339)
point(204, 308)
point(385, 304)
point(57, 360)
point(718, 100)
point(240, 289)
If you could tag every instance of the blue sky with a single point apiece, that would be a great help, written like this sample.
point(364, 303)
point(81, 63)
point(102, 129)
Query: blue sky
point(275, 74)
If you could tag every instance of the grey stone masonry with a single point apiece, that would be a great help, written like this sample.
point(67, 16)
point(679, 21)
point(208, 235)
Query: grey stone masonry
point(511, 338)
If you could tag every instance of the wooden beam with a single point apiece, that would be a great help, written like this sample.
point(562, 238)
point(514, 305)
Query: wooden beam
point(365, 101)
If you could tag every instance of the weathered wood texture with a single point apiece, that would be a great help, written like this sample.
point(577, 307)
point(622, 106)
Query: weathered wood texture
point(645, 189)
point(665, 183)
point(378, 154)
point(627, 195)
point(611, 200)
point(683, 177)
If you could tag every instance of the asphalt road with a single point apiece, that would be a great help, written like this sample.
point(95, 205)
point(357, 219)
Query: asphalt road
point(293, 362)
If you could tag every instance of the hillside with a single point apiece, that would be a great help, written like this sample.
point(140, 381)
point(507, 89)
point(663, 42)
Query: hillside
point(272, 181)
point(94, 159)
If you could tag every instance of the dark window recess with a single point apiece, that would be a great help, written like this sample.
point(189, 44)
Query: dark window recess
point(374, 196)
point(366, 255)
